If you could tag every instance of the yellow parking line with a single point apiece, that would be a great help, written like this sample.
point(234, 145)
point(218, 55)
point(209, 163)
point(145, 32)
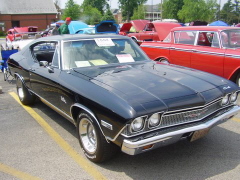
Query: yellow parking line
point(13, 172)
point(85, 164)
point(236, 119)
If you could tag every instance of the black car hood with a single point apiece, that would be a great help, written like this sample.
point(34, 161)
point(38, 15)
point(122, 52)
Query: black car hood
point(156, 85)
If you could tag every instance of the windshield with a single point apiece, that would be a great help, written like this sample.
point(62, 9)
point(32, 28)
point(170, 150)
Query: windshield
point(99, 52)
point(231, 38)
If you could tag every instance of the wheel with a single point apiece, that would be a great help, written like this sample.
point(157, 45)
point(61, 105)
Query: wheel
point(92, 141)
point(238, 80)
point(163, 60)
point(24, 95)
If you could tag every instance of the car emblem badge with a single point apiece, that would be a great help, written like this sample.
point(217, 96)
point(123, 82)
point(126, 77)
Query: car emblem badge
point(63, 100)
point(196, 114)
point(225, 88)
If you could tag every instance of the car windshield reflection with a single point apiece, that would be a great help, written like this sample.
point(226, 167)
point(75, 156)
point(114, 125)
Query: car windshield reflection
point(100, 51)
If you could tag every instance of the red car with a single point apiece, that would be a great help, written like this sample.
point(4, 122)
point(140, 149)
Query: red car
point(214, 49)
point(153, 31)
point(17, 32)
point(133, 26)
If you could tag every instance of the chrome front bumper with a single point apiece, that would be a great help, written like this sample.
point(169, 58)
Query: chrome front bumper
point(133, 146)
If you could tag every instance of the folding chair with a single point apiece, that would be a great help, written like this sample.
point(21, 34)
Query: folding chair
point(3, 62)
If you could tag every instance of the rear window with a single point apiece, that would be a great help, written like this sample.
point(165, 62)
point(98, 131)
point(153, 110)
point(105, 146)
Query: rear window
point(184, 37)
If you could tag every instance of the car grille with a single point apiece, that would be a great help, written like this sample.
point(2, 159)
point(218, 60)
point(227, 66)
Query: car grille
point(176, 118)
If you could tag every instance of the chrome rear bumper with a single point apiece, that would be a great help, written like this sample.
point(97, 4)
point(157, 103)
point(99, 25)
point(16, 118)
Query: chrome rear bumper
point(133, 146)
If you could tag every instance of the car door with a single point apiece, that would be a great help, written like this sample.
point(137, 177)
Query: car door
point(207, 54)
point(44, 76)
point(181, 49)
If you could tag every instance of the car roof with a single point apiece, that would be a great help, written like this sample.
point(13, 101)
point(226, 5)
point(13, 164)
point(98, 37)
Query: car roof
point(80, 36)
point(204, 28)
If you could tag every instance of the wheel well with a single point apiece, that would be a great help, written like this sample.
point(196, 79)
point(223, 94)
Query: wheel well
point(75, 111)
point(234, 76)
point(77, 108)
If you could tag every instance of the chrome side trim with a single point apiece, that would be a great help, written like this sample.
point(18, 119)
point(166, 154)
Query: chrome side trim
point(131, 147)
point(107, 125)
point(21, 78)
point(92, 114)
point(55, 108)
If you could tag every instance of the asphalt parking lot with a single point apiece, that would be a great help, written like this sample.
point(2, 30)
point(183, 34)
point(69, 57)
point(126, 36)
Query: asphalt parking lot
point(37, 143)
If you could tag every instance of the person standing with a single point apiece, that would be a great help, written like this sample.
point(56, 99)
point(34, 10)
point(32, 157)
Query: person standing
point(64, 27)
point(55, 30)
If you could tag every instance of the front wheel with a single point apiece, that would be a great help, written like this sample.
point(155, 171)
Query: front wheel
point(24, 95)
point(238, 80)
point(92, 141)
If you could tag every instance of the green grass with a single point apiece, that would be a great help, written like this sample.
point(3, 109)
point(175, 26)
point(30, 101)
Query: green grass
point(2, 36)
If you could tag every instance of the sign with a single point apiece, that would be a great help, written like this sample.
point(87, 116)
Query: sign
point(104, 42)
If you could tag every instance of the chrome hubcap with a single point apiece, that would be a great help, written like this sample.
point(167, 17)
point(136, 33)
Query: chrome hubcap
point(20, 93)
point(88, 135)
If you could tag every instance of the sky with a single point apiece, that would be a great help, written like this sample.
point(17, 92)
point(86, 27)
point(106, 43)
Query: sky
point(114, 3)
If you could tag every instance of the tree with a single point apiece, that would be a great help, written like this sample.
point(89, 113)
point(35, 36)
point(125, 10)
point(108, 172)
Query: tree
point(71, 10)
point(138, 13)
point(101, 5)
point(171, 8)
point(127, 7)
point(193, 10)
point(229, 13)
point(91, 15)
point(108, 15)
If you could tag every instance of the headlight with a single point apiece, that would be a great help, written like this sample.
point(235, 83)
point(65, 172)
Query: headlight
point(154, 120)
point(233, 97)
point(225, 100)
point(137, 124)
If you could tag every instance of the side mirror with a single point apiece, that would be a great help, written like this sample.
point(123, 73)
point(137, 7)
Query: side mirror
point(50, 69)
point(43, 63)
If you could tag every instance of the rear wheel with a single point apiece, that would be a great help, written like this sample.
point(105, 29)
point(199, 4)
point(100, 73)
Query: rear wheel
point(24, 95)
point(92, 141)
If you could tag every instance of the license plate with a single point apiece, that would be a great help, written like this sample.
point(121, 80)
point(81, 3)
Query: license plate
point(199, 134)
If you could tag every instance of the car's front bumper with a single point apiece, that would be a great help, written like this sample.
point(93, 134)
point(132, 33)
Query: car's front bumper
point(154, 140)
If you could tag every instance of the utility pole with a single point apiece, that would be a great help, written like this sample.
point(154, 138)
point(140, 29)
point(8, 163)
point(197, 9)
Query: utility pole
point(161, 10)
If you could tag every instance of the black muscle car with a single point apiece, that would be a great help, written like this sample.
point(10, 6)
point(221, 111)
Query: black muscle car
point(116, 96)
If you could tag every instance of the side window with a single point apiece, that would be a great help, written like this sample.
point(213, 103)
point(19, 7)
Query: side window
point(204, 39)
point(44, 51)
point(184, 37)
point(55, 61)
point(215, 40)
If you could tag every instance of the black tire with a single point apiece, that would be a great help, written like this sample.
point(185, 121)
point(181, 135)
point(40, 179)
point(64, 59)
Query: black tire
point(238, 80)
point(92, 141)
point(24, 95)
point(163, 60)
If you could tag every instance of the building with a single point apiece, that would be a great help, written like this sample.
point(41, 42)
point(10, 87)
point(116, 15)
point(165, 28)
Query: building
point(152, 12)
point(20, 13)
point(117, 15)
